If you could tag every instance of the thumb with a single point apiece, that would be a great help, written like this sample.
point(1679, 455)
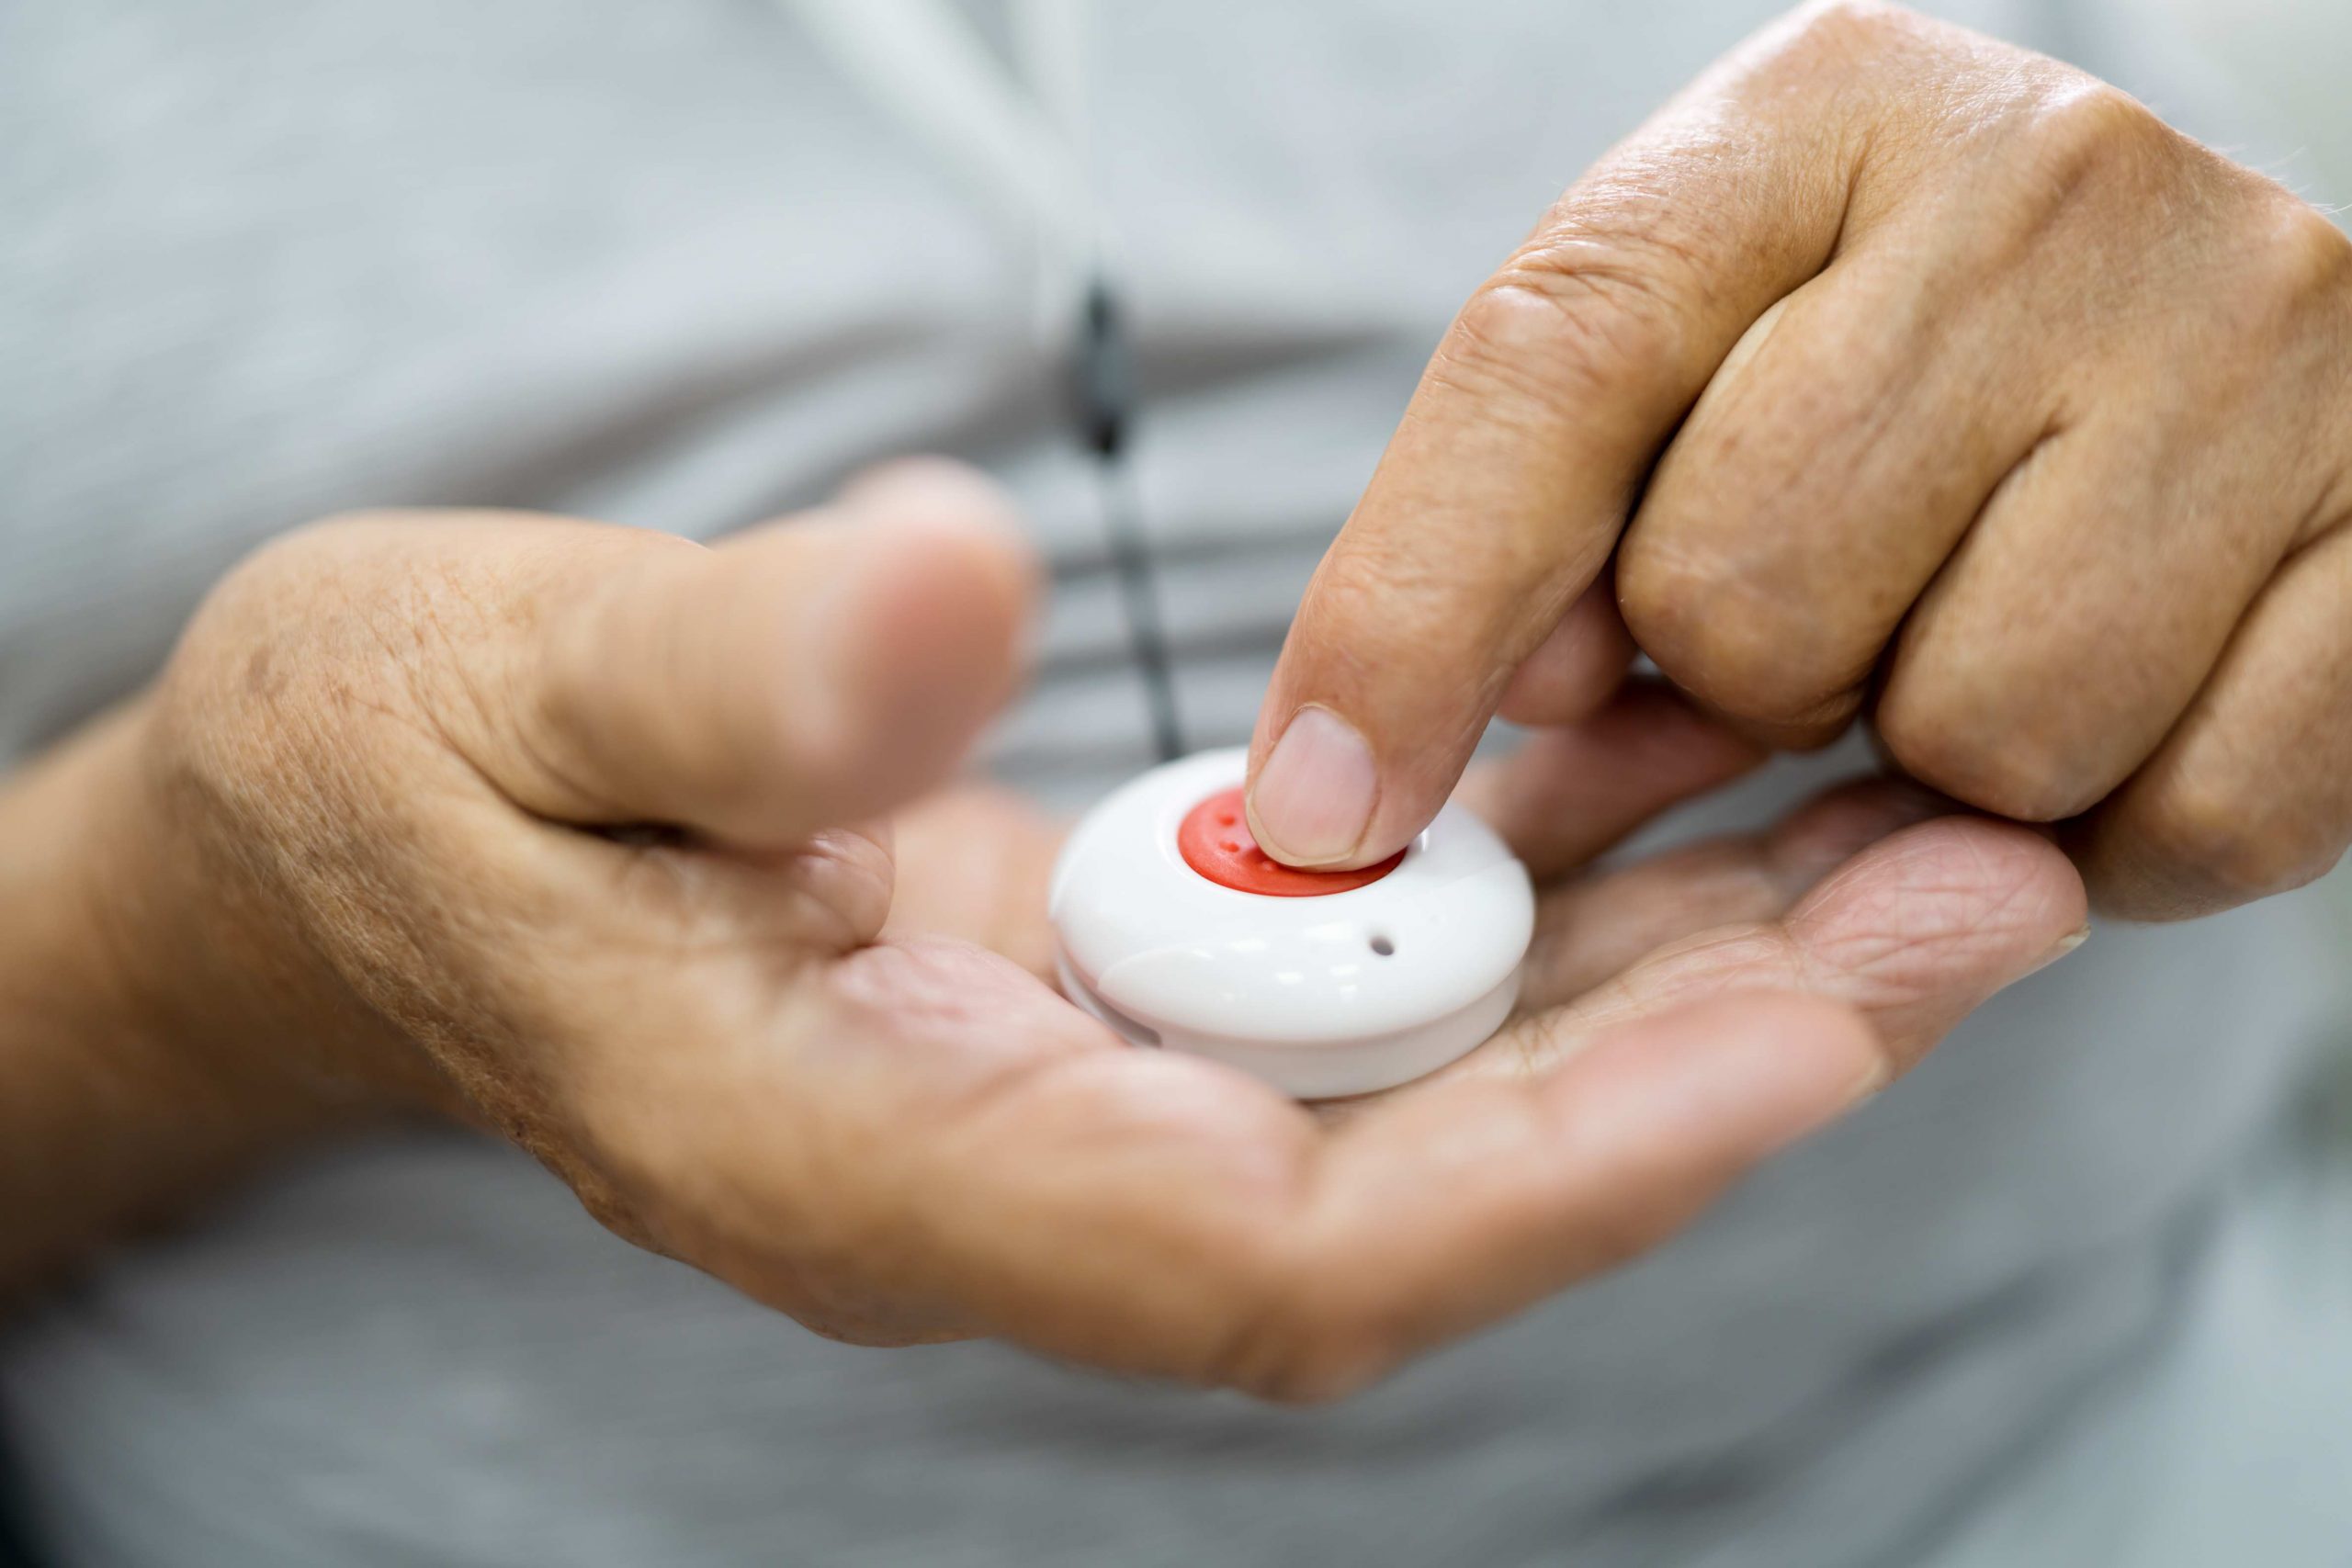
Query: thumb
point(803, 674)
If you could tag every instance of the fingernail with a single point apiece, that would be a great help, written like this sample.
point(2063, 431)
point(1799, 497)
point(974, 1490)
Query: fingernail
point(2065, 944)
point(1313, 795)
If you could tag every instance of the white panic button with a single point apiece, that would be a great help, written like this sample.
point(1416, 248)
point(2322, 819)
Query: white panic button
point(1175, 930)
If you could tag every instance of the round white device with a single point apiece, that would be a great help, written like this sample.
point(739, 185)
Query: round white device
point(1337, 984)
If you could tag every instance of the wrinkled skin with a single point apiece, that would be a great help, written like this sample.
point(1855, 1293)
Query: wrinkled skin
point(1898, 372)
point(556, 827)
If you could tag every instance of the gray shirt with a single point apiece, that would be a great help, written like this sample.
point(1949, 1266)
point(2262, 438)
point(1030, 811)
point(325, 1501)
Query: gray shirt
point(660, 263)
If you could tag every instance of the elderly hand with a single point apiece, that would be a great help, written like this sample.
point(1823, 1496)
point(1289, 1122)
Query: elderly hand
point(1899, 368)
point(553, 826)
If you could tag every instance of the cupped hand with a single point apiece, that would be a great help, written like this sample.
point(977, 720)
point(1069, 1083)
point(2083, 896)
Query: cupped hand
point(1891, 369)
point(557, 828)
point(1647, 1031)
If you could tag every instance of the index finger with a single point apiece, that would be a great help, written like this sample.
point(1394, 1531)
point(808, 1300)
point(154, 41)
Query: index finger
point(1516, 464)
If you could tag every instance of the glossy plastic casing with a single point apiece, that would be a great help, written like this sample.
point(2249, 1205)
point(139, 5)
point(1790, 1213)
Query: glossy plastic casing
point(1337, 994)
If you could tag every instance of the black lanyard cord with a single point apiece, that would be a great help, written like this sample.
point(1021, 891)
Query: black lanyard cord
point(1102, 390)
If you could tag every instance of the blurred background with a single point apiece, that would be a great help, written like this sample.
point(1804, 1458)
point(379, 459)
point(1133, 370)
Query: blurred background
point(2291, 55)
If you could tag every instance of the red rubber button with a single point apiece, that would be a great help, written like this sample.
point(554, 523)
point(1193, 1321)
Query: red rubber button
point(1215, 841)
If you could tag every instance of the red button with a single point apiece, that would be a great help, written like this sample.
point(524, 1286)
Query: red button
point(1215, 841)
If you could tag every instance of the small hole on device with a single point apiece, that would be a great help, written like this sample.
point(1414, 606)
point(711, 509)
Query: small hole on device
point(1382, 945)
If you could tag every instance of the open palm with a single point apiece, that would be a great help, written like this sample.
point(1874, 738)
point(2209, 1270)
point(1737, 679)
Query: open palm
point(1680, 1017)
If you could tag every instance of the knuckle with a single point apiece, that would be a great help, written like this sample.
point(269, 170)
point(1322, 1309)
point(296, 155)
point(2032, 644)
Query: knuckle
point(2221, 839)
point(1839, 54)
point(2301, 258)
point(1680, 601)
point(1707, 617)
point(1842, 25)
point(2087, 127)
point(1584, 310)
point(1990, 764)
point(2276, 310)
point(1354, 601)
